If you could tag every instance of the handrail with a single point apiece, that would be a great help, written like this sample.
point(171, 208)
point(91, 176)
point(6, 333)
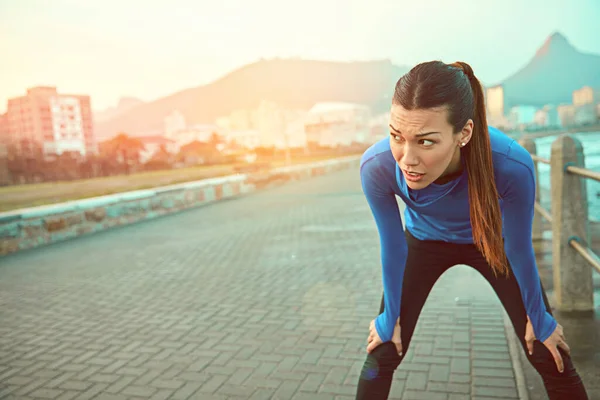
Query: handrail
point(586, 173)
point(586, 253)
point(573, 280)
point(540, 159)
point(543, 211)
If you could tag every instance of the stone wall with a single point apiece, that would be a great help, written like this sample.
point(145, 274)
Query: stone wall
point(33, 227)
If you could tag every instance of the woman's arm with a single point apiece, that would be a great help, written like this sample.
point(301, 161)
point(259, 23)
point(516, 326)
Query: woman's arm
point(519, 199)
point(384, 207)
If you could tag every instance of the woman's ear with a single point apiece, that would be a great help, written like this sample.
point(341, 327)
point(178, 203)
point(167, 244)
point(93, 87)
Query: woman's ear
point(466, 133)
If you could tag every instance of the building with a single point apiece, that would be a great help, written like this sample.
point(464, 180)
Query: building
point(276, 126)
point(153, 144)
point(51, 122)
point(295, 133)
point(547, 117)
point(522, 116)
point(585, 114)
point(174, 122)
point(5, 176)
point(586, 95)
point(496, 106)
point(566, 115)
point(243, 119)
point(586, 101)
point(332, 124)
point(4, 138)
point(199, 132)
point(379, 127)
point(270, 123)
point(249, 138)
point(238, 120)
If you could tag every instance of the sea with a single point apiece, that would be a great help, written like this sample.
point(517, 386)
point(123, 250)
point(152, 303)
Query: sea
point(591, 151)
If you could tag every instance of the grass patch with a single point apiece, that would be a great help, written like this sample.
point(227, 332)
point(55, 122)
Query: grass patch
point(38, 194)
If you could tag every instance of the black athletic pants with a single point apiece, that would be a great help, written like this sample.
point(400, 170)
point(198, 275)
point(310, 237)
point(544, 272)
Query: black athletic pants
point(426, 262)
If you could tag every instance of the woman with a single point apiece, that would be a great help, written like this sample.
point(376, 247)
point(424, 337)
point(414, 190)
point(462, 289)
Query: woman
point(469, 192)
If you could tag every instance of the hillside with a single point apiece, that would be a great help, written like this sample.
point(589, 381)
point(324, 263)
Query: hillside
point(551, 76)
point(292, 83)
point(125, 104)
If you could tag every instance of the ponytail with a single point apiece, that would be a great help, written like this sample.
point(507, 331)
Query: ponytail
point(435, 84)
point(486, 217)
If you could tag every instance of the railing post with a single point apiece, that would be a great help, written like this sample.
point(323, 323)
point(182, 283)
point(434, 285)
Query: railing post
point(572, 275)
point(529, 145)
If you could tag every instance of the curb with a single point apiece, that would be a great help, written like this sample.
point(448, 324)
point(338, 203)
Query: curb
point(28, 228)
point(514, 347)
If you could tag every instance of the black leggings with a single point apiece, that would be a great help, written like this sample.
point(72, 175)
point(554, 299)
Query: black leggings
point(426, 262)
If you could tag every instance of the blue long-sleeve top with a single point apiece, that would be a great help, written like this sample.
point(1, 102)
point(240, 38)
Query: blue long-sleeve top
point(441, 212)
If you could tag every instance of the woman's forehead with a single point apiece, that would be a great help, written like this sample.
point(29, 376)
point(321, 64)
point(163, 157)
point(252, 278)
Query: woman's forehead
point(419, 120)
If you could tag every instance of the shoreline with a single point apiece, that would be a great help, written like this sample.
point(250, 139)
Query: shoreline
point(554, 132)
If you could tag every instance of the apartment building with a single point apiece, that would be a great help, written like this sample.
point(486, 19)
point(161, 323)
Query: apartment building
point(55, 123)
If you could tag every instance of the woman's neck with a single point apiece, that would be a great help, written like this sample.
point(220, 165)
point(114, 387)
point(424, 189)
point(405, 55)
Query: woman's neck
point(454, 170)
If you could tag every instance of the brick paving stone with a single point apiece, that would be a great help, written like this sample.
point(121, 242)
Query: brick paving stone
point(69, 395)
point(313, 396)
point(75, 385)
point(268, 296)
point(455, 396)
point(503, 393)
point(424, 395)
point(262, 394)
point(187, 391)
point(45, 393)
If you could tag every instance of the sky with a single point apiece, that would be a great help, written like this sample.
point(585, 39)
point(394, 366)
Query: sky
point(150, 49)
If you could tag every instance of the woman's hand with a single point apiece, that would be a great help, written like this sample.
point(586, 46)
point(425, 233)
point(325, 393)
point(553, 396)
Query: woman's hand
point(374, 340)
point(554, 341)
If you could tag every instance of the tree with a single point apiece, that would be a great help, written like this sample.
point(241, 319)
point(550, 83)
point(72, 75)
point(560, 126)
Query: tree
point(25, 161)
point(197, 152)
point(215, 139)
point(160, 159)
point(124, 149)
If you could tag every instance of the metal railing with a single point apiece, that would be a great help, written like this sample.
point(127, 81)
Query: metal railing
point(571, 253)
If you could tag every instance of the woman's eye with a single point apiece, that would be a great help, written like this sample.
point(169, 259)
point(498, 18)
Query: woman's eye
point(425, 142)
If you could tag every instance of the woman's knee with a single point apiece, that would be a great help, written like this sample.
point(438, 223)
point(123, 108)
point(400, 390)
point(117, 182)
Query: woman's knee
point(544, 363)
point(381, 362)
point(559, 385)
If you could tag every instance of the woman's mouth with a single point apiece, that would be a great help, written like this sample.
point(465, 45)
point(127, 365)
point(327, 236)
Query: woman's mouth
point(413, 176)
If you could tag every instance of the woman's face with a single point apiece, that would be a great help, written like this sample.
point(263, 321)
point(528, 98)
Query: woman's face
point(423, 143)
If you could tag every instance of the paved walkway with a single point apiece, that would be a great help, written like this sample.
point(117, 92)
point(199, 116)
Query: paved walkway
point(581, 330)
point(268, 296)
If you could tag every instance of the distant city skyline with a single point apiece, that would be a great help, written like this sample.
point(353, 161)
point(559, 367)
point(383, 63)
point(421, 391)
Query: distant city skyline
point(151, 49)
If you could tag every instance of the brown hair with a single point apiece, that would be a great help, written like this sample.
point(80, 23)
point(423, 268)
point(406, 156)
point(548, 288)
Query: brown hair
point(435, 84)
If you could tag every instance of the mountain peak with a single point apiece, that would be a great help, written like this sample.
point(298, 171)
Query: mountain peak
point(557, 42)
point(558, 36)
point(550, 77)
